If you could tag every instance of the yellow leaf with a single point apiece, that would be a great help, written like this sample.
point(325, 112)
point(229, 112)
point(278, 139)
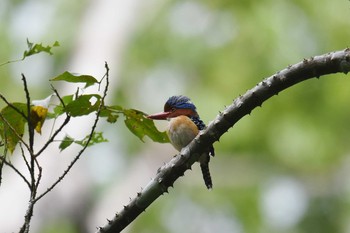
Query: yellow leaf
point(38, 115)
point(38, 112)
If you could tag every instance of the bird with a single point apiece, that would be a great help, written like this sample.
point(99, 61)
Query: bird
point(184, 125)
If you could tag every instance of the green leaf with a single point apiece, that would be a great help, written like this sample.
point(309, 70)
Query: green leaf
point(38, 48)
point(59, 109)
point(83, 105)
point(111, 113)
point(12, 125)
point(97, 137)
point(67, 141)
point(76, 78)
point(33, 49)
point(141, 126)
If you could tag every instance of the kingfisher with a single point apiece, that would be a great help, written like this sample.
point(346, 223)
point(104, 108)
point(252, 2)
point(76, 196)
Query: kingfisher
point(184, 125)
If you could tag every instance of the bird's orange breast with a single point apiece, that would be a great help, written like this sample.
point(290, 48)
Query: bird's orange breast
point(181, 131)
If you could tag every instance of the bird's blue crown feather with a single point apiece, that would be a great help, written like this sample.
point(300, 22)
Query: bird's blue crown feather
point(180, 102)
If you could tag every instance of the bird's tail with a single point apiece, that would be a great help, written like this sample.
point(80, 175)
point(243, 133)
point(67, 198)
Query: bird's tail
point(204, 163)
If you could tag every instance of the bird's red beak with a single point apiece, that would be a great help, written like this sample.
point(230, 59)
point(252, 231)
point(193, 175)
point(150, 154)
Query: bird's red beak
point(159, 116)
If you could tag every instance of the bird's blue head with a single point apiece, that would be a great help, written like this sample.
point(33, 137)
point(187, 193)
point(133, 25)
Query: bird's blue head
point(176, 106)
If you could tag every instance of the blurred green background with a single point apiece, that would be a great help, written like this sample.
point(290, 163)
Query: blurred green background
point(284, 168)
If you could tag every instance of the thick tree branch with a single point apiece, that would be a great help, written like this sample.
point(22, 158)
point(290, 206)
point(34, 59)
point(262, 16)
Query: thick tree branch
point(334, 62)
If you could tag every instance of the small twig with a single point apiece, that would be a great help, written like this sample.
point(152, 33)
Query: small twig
point(40, 171)
point(24, 157)
point(104, 76)
point(52, 138)
point(58, 96)
point(1, 166)
point(65, 122)
point(12, 61)
point(3, 160)
point(3, 156)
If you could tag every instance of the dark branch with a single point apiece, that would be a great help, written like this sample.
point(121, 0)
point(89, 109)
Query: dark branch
point(30, 124)
point(309, 68)
point(33, 188)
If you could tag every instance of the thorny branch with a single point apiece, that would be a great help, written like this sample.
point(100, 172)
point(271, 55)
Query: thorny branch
point(313, 67)
point(31, 167)
point(30, 124)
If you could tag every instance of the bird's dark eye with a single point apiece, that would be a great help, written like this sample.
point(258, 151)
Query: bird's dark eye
point(173, 109)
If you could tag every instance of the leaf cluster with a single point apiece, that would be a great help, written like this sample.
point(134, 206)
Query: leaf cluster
point(14, 117)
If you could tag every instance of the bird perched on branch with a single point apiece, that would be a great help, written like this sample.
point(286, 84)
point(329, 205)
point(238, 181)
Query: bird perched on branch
point(184, 125)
